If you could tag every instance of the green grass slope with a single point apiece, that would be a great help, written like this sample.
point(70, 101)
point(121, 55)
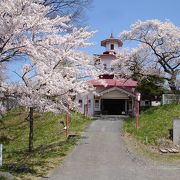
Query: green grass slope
point(154, 123)
point(50, 143)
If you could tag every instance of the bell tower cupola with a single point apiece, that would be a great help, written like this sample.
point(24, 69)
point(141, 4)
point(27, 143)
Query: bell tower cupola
point(111, 44)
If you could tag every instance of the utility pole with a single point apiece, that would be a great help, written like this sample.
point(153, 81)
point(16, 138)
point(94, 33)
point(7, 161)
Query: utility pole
point(87, 105)
point(67, 124)
point(138, 98)
point(1, 158)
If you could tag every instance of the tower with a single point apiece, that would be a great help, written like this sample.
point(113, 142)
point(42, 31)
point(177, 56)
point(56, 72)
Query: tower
point(104, 60)
point(111, 44)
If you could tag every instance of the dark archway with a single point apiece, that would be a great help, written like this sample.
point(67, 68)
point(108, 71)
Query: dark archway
point(113, 106)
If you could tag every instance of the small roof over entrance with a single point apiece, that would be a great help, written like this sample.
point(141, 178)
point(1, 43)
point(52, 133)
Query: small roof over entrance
point(116, 101)
point(116, 93)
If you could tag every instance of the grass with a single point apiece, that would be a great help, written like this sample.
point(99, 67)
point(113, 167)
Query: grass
point(154, 124)
point(50, 143)
point(3, 178)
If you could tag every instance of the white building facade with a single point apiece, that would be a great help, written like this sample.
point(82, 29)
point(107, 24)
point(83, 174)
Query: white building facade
point(118, 97)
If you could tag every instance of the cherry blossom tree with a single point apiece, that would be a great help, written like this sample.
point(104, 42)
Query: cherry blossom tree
point(161, 40)
point(52, 80)
point(135, 63)
point(3, 77)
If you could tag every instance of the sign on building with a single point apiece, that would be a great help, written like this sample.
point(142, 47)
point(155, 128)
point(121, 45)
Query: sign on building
point(1, 149)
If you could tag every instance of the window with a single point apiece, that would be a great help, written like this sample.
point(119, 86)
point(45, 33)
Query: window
point(89, 103)
point(146, 103)
point(112, 46)
point(96, 103)
point(105, 66)
point(80, 102)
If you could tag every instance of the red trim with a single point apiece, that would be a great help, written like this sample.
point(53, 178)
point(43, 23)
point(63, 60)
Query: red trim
point(87, 105)
point(111, 40)
point(115, 83)
point(107, 55)
point(67, 124)
point(137, 114)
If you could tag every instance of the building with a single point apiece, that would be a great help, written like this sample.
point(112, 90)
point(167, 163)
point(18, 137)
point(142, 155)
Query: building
point(117, 97)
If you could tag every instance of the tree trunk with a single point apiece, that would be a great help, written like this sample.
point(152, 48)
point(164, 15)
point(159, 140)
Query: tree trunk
point(31, 128)
point(172, 83)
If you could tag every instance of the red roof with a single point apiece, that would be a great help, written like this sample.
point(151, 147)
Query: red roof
point(104, 42)
point(111, 40)
point(115, 83)
point(108, 55)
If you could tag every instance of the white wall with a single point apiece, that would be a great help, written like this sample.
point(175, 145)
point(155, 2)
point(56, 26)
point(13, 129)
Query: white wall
point(97, 108)
point(82, 107)
point(106, 61)
point(108, 46)
point(155, 103)
point(114, 94)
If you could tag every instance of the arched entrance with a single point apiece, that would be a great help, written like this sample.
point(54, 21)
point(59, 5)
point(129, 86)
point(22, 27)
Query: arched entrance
point(115, 101)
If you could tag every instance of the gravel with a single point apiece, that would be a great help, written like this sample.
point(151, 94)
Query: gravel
point(103, 155)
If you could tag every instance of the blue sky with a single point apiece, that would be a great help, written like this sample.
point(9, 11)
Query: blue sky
point(108, 16)
point(115, 16)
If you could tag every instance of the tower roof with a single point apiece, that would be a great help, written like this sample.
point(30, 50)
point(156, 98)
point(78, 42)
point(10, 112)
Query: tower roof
point(111, 39)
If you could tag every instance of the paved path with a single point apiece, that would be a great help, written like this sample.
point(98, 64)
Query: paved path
point(102, 155)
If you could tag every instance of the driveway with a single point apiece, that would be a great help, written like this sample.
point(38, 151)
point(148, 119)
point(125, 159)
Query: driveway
point(102, 155)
